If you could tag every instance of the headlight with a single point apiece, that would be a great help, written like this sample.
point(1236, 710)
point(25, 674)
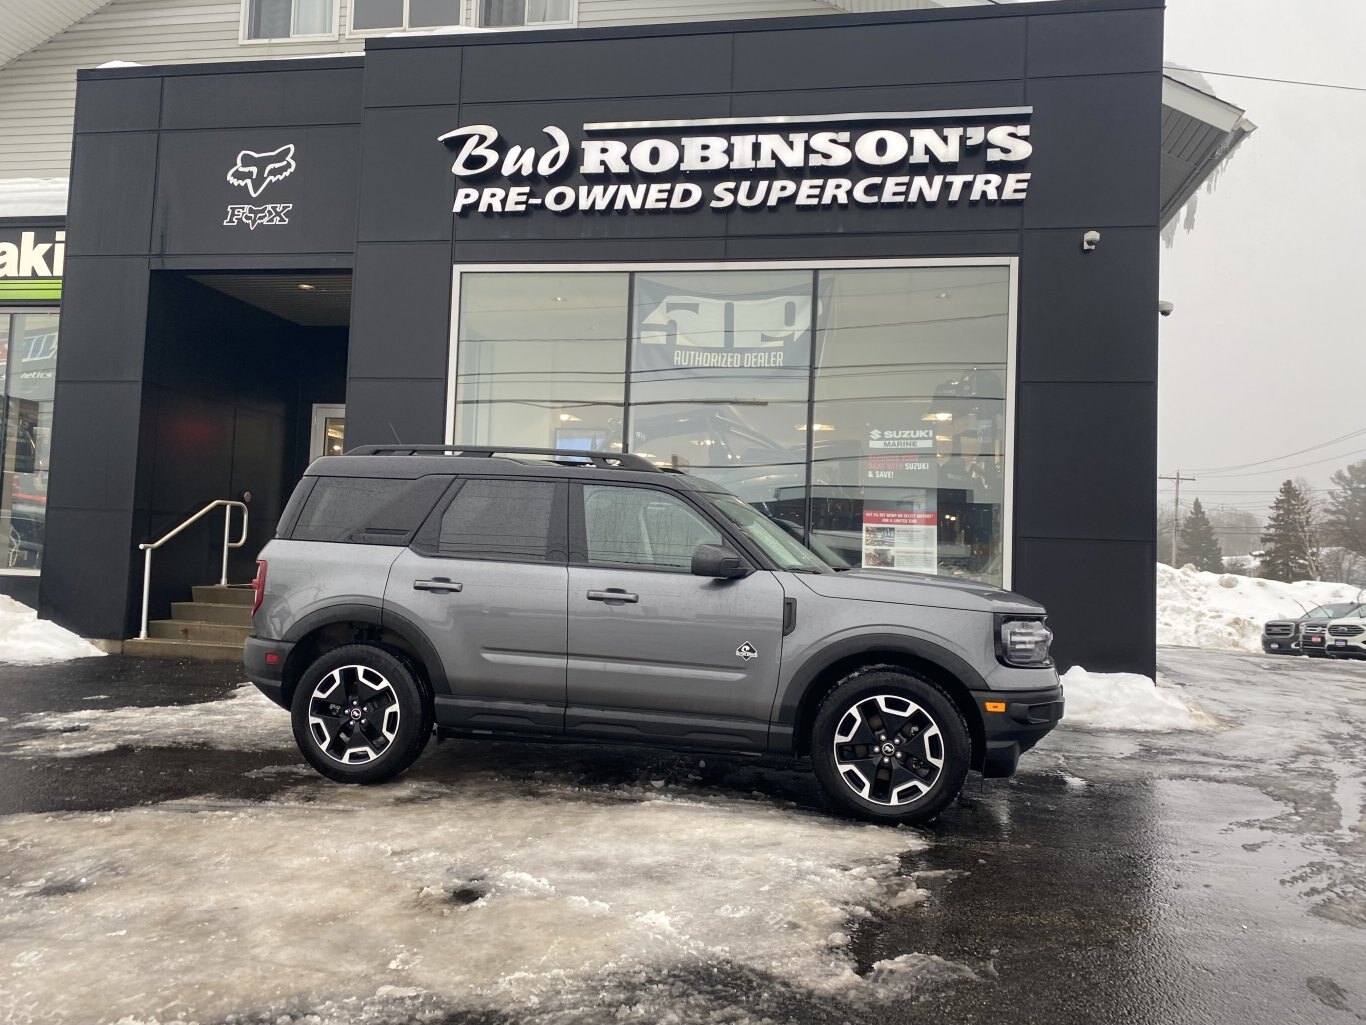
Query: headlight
point(1024, 642)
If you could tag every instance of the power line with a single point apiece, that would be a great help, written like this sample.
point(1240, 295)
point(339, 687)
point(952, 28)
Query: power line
point(1279, 81)
point(1277, 459)
point(1287, 469)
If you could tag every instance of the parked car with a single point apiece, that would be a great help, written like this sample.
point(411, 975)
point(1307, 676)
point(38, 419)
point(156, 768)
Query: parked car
point(1345, 637)
point(1304, 634)
point(551, 595)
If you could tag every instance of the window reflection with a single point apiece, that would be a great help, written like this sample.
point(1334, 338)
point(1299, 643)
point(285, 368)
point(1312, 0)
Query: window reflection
point(720, 370)
point(28, 374)
point(542, 360)
point(910, 393)
point(863, 409)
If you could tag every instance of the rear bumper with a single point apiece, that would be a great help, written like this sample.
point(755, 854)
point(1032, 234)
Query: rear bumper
point(1027, 718)
point(265, 665)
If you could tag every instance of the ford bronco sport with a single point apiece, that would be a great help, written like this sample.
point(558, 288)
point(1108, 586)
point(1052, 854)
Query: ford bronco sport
point(583, 596)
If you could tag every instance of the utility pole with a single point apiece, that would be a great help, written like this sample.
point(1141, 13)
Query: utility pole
point(1176, 508)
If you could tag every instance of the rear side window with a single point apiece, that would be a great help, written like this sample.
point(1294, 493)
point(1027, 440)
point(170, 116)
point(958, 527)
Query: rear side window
point(367, 510)
point(500, 519)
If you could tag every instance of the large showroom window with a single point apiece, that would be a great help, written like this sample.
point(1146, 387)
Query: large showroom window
point(28, 372)
point(863, 408)
point(542, 360)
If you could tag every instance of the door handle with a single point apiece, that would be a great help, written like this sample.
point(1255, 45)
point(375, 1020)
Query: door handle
point(438, 585)
point(614, 594)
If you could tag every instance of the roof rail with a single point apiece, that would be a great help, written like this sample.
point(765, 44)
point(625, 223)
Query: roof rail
point(602, 460)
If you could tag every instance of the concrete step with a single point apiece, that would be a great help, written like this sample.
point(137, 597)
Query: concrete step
point(158, 647)
point(190, 630)
point(232, 594)
point(210, 612)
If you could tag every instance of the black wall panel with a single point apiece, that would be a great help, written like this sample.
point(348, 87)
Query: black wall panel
point(585, 68)
point(1096, 145)
point(1100, 597)
point(299, 96)
point(880, 54)
point(194, 194)
point(109, 210)
point(407, 411)
point(1088, 315)
point(404, 197)
point(121, 105)
point(1093, 43)
point(102, 334)
point(1086, 460)
point(402, 295)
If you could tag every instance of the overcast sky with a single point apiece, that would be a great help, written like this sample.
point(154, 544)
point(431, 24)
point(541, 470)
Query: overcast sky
point(1265, 353)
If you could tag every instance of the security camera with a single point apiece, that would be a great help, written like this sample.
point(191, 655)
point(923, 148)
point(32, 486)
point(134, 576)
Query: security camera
point(1089, 240)
point(1165, 308)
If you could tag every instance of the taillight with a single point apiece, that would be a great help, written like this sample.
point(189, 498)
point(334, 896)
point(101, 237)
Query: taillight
point(258, 585)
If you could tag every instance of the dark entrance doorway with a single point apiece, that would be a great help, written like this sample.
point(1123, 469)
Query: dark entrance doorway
point(235, 365)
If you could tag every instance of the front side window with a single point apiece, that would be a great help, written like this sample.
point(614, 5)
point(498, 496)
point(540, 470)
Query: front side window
point(288, 19)
point(517, 13)
point(28, 372)
point(643, 527)
point(499, 519)
point(396, 15)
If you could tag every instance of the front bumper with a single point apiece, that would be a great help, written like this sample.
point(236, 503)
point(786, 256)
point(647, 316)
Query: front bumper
point(1346, 647)
point(1026, 718)
point(265, 664)
point(1280, 645)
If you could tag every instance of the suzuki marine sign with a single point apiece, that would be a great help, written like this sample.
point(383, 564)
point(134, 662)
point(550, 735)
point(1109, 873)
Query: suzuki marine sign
point(823, 161)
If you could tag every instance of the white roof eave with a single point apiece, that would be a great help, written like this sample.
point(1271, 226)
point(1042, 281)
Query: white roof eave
point(1202, 106)
point(28, 25)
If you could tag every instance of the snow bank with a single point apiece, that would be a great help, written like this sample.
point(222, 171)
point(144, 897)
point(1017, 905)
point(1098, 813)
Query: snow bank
point(478, 898)
point(1126, 701)
point(1223, 610)
point(25, 639)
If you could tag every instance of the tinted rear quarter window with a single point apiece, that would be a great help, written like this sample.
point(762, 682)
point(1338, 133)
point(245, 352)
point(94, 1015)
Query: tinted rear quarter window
point(367, 510)
point(499, 519)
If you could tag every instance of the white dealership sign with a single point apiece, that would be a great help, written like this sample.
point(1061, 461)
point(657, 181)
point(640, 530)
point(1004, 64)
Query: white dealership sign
point(873, 159)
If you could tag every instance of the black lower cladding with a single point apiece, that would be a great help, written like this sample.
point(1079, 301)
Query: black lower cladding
point(265, 664)
point(1028, 717)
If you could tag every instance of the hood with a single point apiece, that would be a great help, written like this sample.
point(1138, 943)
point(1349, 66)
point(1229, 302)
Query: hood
point(898, 588)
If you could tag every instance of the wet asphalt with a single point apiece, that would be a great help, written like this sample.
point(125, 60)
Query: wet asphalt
point(1120, 877)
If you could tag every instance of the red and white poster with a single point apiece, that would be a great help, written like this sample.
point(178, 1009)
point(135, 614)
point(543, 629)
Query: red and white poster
point(902, 535)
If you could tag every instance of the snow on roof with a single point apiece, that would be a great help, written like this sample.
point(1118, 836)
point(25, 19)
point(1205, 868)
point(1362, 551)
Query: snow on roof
point(33, 197)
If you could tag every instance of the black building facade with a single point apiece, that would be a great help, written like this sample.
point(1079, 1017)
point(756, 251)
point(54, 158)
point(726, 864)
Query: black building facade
point(892, 277)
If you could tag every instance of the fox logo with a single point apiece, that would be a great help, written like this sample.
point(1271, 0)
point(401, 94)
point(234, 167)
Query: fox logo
point(257, 170)
point(251, 216)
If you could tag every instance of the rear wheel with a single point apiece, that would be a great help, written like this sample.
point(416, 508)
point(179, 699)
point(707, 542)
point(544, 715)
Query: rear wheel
point(359, 715)
point(890, 746)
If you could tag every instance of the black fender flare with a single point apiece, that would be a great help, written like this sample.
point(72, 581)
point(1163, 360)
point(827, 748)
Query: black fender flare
point(380, 618)
point(789, 707)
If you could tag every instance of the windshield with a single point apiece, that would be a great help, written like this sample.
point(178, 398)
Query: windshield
point(785, 551)
point(1333, 611)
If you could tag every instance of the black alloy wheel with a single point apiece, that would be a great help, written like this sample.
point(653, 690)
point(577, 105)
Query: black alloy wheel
point(360, 715)
point(889, 746)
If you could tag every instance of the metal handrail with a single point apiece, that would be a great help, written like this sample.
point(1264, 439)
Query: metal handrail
point(148, 549)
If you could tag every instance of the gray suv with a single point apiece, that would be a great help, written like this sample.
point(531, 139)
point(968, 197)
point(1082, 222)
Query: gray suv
point(579, 596)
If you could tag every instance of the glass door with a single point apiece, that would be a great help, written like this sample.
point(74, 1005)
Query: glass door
point(329, 432)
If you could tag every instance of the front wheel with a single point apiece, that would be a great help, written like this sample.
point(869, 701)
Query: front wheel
point(890, 747)
point(359, 715)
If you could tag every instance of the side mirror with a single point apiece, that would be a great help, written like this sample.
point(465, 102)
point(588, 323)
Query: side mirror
point(719, 562)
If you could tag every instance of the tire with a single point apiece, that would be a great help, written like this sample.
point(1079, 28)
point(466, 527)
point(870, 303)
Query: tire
point(927, 747)
point(370, 730)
